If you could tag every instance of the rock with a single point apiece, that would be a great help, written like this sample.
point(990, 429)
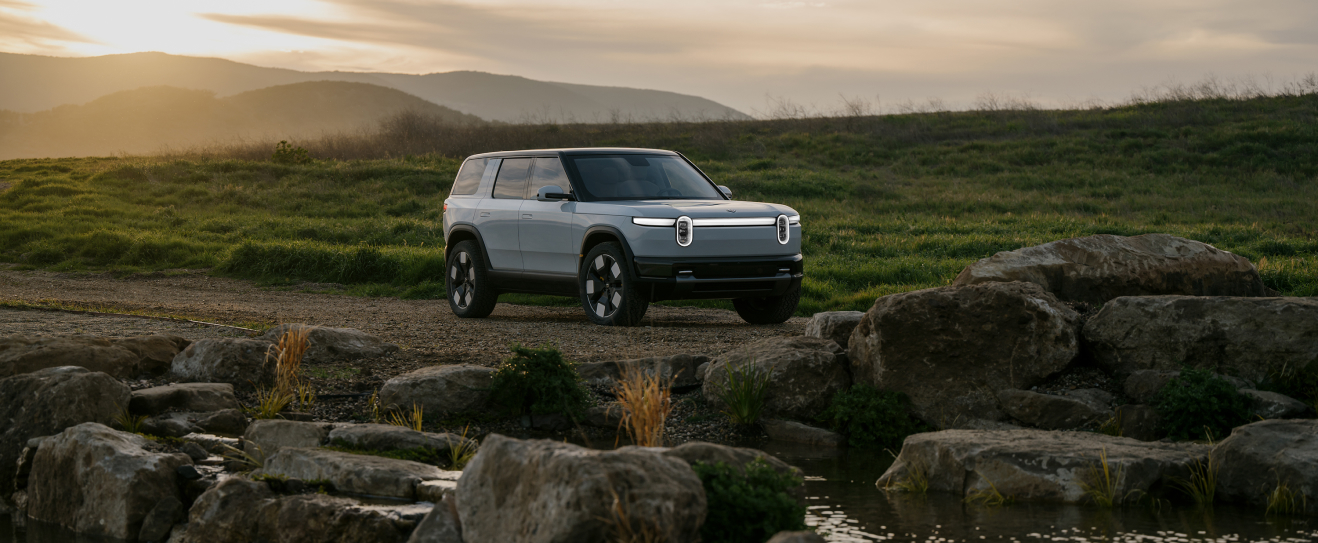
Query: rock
point(1050, 412)
point(101, 482)
point(804, 374)
point(1249, 338)
point(1037, 465)
point(154, 353)
point(196, 397)
point(47, 401)
point(737, 457)
point(1098, 399)
point(170, 425)
point(384, 437)
point(355, 473)
point(265, 437)
point(949, 349)
point(214, 444)
point(1256, 457)
point(24, 464)
point(833, 325)
point(1140, 422)
point(546, 491)
point(681, 368)
point(440, 525)
point(188, 472)
point(159, 522)
point(194, 451)
point(1098, 268)
point(226, 422)
point(604, 416)
point(804, 536)
point(325, 344)
point(1271, 405)
point(20, 355)
point(787, 430)
point(441, 391)
point(229, 512)
point(240, 362)
point(433, 491)
point(1143, 386)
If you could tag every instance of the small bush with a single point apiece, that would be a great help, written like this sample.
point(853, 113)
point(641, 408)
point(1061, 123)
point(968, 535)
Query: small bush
point(539, 382)
point(872, 418)
point(744, 392)
point(750, 505)
point(286, 153)
point(1197, 402)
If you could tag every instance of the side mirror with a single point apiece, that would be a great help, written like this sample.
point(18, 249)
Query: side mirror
point(726, 191)
point(553, 193)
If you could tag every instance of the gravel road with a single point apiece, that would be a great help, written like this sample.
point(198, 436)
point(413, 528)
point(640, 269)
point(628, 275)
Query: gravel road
point(425, 327)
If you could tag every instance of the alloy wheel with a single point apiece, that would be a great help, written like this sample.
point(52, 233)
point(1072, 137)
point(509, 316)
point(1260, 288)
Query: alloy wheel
point(462, 276)
point(604, 286)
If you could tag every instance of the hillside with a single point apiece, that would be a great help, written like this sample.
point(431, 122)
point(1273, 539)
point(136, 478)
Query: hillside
point(150, 119)
point(31, 83)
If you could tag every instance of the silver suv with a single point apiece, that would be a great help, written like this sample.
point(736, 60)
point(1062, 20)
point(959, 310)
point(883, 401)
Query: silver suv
point(617, 228)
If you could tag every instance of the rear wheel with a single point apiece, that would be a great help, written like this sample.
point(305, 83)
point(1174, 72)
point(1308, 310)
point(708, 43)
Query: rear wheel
point(769, 309)
point(608, 289)
point(470, 294)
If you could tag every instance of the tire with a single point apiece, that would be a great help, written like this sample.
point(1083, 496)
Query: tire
point(769, 309)
point(608, 289)
point(470, 294)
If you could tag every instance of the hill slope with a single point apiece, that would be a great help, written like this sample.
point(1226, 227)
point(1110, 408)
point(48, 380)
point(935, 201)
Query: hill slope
point(147, 119)
point(33, 83)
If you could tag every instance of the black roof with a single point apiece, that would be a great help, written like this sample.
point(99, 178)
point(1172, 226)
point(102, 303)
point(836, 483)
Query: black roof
point(575, 151)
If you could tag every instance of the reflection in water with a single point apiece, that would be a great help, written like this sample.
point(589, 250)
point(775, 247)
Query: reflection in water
point(843, 505)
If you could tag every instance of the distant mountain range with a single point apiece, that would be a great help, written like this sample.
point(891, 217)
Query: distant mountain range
point(30, 83)
point(152, 119)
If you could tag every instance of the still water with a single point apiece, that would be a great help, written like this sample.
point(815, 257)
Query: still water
point(843, 505)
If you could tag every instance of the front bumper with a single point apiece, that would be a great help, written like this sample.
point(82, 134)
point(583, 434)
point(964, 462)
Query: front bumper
point(713, 278)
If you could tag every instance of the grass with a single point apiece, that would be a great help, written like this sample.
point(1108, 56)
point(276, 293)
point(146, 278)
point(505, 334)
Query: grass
point(1285, 501)
point(626, 528)
point(269, 403)
point(462, 452)
point(129, 422)
point(915, 482)
point(646, 400)
point(743, 392)
point(889, 203)
point(1202, 484)
point(407, 420)
point(991, 497)
point(1102, 483)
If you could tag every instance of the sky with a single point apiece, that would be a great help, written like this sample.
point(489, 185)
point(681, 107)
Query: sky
point(753, 55)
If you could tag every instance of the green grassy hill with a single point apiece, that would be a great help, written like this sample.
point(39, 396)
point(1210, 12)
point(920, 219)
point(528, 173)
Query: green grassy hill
point(889, 204)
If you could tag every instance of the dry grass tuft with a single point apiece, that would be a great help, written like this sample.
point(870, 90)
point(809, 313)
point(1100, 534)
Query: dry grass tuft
point(646, 400)
point(625, 529)
point(462, 452)
point(1285, 501)
point(915, 482)
point(988, 498)
point(407, 420)
point(287, 355)
point(1202, 484)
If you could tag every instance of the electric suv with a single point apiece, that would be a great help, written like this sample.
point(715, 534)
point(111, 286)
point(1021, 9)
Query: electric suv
point(618, 229)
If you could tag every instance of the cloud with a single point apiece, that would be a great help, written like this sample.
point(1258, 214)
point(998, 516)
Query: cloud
point(22, 32)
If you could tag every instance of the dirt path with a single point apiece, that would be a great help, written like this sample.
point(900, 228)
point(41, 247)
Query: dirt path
point(424, 326)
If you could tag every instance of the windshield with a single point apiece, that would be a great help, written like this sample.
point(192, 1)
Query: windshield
point(641, 177)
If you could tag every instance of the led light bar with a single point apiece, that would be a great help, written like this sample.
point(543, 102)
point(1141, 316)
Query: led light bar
point(643, 221)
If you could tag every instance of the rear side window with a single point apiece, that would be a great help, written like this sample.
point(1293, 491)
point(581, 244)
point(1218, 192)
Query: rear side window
point(548, 171)
point(469, 177)
point(511, 182)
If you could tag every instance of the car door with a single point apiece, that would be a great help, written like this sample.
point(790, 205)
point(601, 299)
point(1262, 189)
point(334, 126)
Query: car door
point(497, 217)
point(545, 229)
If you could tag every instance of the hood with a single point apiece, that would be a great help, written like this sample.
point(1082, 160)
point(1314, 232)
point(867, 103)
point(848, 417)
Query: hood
point(696, 209)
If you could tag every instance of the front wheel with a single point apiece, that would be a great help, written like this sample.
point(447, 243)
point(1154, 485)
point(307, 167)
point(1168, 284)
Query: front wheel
point(608, 289)
point(470, 294)
point(769, 309)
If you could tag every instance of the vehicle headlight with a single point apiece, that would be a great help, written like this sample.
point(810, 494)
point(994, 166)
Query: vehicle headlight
point(644, 221)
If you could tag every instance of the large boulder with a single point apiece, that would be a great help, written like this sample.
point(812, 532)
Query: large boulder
point(154, 353)
point(737, 457)
point(197, 397)
point(680, 367)
point(325, 344)
point(547, 491)
point(47, 401)
point(242, 363)
point(834, 325)
point(238, 510)
point(355, 473)
point(1257, 457)
point(98, 481)
point(1051, 412)
point(1143, 386)
point(26, 355)
point(226, 422)
point(795, 432)
point(951, 349)
point(1271, 405)
point(441, 523)
point(1250, 338)
point(441, 391)
point(385, 437)
point(1037, 465)
point(1098, 268)
point(804, 374)
point(265, 437)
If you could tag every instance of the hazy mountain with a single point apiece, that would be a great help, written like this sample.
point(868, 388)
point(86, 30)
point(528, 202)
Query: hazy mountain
point(148, 119)
point(30, 83)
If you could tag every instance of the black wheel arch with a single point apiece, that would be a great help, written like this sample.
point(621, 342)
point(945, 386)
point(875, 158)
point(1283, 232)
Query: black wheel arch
point(465, 232)
point(598, 234)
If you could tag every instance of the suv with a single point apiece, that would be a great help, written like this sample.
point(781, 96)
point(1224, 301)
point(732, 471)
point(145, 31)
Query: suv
point(617, 228)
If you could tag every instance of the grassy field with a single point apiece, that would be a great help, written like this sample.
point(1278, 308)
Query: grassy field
point(889, 203)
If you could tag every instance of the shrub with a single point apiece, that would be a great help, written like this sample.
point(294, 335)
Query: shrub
point(286, 153)
point(870, 417)
point(539, 382)
point(1197, 402)
point(744, 392)
point(749, 505)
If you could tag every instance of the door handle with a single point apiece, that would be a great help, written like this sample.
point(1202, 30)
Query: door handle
point(526, 215)
point(485, 213)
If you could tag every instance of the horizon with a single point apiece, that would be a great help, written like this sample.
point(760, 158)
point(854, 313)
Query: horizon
point(751, 56)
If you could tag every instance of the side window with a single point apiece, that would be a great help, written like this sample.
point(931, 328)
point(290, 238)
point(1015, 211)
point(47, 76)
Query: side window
point(548, 171)
point(469, 177)
point(511, 182)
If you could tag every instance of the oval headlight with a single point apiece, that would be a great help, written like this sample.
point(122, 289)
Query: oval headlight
point(784, 232)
